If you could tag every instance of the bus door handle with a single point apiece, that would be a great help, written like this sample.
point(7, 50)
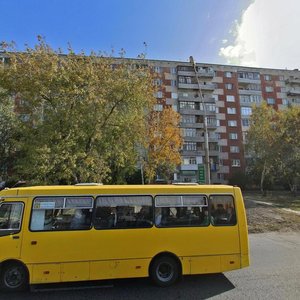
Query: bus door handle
point(33, 242)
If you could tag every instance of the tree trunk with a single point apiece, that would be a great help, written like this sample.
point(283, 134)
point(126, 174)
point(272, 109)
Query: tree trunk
point(262, 179)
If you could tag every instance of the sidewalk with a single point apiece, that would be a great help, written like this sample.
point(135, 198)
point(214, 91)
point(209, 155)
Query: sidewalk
point(275, 205)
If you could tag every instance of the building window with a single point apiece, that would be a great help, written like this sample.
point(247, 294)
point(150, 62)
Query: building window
point(281, 78)
point(232, 123)
point(269, 89)
point(271, 101)
point(188, 80)
point(188, 119)
point(159, 94)
point(189, 132)
point(233, 136)
point(189, 161)
point(189, 146)
point(234, 149)
point(186, 105)
point(230, 98)
point(173, 82)
point(285, 102)
point(210, 107)
point(185, 95)
point(246, 122)
point(248, 75)
point(173, 70)
point(228, 86)
point(228, 74)
point(235, 163)
point(250, 99)
point(246, 111)
point(157, 82)
point(212, 121)
point(24, 117)
point(158, 107)
point(181, 79)
point(231, 110)
point(268, 77)
point(157, 69)
point(174, 95)
point(245, 98)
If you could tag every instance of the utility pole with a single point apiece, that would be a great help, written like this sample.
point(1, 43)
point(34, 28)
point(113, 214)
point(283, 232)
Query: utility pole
point(206, 148)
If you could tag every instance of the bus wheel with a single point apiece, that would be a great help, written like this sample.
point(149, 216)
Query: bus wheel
point(164, 271)
point(14, 277)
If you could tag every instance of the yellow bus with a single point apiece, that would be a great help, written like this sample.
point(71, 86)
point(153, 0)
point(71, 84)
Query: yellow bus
point(92, 232)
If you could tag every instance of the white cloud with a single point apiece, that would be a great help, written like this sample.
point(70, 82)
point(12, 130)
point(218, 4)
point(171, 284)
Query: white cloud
point(267, 36)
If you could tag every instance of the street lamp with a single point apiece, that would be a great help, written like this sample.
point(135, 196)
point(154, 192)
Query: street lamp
point(206, 148)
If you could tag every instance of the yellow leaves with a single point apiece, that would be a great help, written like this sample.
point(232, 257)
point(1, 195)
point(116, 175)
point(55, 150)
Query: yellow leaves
point(164, 141)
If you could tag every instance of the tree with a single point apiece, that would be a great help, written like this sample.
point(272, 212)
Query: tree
point(274, 145)
point(162, 144)
point(8, 134)
point(261, 139)
point(85, 115)
point(289, 147)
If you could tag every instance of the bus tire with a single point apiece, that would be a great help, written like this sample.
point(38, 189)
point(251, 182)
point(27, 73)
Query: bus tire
point(164, 271)
point(13, 277)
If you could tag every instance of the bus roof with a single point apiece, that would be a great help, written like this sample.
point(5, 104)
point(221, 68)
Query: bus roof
point(114, 189)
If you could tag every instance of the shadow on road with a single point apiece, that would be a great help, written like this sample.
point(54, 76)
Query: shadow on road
point(193, 287)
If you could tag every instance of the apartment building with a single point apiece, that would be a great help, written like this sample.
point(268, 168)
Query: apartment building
point(229, 93)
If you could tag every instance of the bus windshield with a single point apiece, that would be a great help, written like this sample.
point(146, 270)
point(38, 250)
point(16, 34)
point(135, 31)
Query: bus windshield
point(10, 218)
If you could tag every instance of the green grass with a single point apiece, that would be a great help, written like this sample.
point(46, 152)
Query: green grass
point(281, 199)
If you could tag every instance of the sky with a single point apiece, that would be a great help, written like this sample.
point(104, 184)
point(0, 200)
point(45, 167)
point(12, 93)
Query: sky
point(262, 33)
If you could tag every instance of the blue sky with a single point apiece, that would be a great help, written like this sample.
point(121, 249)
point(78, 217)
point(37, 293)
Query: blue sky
point(172, 29)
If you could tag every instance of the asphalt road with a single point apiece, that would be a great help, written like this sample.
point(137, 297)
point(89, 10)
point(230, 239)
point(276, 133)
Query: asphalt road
point(274, 274)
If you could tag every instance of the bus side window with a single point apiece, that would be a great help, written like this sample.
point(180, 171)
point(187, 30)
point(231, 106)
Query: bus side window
point(61, 213)
point(123, 212)
point(180, 210)
point(223, 210)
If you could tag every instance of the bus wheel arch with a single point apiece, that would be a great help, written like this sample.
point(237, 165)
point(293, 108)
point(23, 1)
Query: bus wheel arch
point(14, 276)
point(165, 269)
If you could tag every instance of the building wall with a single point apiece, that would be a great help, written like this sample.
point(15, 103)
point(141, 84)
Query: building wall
point(233, 91)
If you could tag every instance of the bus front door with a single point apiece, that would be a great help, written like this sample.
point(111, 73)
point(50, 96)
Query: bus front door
point(10, 229)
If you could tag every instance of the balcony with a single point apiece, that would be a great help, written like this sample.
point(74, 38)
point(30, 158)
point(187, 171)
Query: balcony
point(191, 125)
point(212, 126)
point(292, 80)
point(194, 86)
point(195, 98)
point(197, 138)
point(201, 72)
point(205, 99)
point(189, 167)
point(249, 92)
point(248, 80)
point(192, 152)
point(196, 112)
point(205, 73)
point(293, 92)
